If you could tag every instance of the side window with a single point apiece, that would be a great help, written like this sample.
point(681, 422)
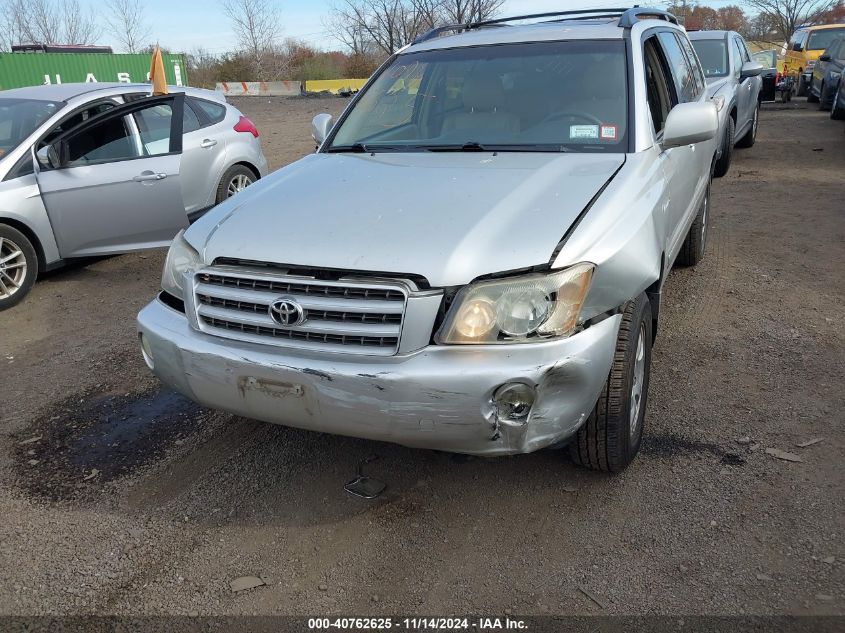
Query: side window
point(79, 117)
point(695, 65)
point(110, 140)
point(154, 126)
point(657, 84)
point(214, 112)
point(190, 120)
point(681, 71)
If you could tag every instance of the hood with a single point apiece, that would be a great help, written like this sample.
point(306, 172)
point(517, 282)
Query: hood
point(715, 84)
point(450, 217)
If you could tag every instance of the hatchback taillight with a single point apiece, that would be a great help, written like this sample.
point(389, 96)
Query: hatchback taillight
point(245, 125)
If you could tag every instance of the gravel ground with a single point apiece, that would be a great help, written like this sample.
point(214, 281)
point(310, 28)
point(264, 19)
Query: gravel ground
point(120, 497)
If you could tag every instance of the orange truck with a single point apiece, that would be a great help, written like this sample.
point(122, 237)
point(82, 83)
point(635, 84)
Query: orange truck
point(804, 49)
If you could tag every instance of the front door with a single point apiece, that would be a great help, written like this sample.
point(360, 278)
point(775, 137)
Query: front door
point(115, 185)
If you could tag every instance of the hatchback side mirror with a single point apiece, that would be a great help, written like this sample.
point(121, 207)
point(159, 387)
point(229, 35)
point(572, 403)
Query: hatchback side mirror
point(750, 69)
point(48, 157)
point(690, 123)
point(320, 127)
point(824, 58)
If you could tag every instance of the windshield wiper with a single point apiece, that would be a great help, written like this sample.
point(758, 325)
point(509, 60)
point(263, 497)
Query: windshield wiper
point(355, 148)
point(473, 146)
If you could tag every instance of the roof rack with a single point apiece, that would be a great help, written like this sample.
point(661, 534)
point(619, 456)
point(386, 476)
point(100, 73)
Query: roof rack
point(627, 18)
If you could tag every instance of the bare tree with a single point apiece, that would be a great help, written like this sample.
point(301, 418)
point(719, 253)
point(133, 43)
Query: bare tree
point(80, 26)
point(788, 15)
point(125, 21)
point(46, 22)
point(390, 24)
point(256, 26)
point(464, 11)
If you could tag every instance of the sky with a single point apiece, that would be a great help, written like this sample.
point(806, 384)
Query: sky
point(186, 24)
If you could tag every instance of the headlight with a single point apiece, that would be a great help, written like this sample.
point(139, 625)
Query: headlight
point(181, 259)
point(519, 309)
point(719, 100)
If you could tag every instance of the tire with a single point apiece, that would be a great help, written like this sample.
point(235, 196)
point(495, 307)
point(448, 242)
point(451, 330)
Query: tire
point(825, 98)
point(19, 266)
point(695, 243)
point(724, 162)
point(751, 135)
point(811, 98)
point(608, 441)
point(236, 178)
point(837, 110)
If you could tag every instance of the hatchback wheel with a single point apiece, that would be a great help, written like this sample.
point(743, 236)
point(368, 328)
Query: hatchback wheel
point(236, 179)
point(837, 110)
point(18, 266)
point(610, 438)
point(724, 162)
point(692, 250)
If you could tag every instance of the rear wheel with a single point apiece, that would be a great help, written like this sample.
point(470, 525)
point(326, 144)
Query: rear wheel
point(18, 266)
point(236, 179)
point(695, 243)
point(610, 438)
point(751, 135)
point(724, 162)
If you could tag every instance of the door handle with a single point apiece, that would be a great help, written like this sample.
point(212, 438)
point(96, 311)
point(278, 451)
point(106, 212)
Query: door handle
point(208, 142)
point(147, 176)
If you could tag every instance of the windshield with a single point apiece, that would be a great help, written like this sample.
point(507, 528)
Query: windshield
point(768, 59)
point(820, 40)
point(713, 55)
point(21, 117)
point(546, 96)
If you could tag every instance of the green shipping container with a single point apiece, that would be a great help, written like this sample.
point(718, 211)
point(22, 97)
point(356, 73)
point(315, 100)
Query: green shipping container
point(34, 69)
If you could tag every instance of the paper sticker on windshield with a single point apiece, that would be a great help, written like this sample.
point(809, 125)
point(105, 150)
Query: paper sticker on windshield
point(608, 133)
point(583, 131)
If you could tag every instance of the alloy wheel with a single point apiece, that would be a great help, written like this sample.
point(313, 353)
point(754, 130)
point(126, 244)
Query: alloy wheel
point(238, 183)
point(12, 268)
point(637, 384)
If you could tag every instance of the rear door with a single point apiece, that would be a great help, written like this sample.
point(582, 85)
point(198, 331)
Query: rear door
point(204, 152)
point(116, 186)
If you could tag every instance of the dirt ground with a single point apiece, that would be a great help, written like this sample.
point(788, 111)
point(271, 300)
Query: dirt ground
point(119, 497)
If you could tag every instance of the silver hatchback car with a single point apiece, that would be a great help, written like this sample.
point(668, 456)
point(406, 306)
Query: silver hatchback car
point(98, 169)
point(474, 259)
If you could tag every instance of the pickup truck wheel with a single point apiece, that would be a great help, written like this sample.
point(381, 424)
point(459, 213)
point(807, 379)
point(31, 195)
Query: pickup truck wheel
point(692, 250)
point(610, 438)
point(18, 266)
point(236, 179)
point(751, 135)
point(723, 164)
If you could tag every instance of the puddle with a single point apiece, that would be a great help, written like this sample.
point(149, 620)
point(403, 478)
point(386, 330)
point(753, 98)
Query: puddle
point(90, 440)
point(668, 445)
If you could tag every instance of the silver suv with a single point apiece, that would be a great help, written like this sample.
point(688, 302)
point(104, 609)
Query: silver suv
point(734, 83)
point(474, 258)
point(116, 171)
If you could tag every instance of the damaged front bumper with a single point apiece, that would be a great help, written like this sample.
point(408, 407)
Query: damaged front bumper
point(440, 397)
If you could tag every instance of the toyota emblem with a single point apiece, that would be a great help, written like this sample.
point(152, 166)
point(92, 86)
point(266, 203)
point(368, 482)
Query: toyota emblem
point(287, 312)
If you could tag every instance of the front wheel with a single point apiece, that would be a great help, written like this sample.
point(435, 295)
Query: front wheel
point(811, 98)
point(610, 438)
point(695, 243)
point(751, 136)
point(18, 266)
point(837, 110)
point(723, 164)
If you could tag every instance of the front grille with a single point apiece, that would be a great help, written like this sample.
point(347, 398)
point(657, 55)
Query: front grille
point(344, 315)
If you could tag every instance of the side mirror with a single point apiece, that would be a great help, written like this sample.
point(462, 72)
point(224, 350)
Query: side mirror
point(320, 127)
point(48, 157)
point(824, 58)
point(690, 123)
point(797, 47)
point(750, 69)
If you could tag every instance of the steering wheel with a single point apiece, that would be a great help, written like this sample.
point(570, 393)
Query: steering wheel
point(554, 116)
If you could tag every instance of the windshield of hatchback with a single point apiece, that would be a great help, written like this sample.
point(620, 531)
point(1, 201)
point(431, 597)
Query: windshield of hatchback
point(820, 40)
point(545, 96)
point(713, 55)
point(21, 117)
